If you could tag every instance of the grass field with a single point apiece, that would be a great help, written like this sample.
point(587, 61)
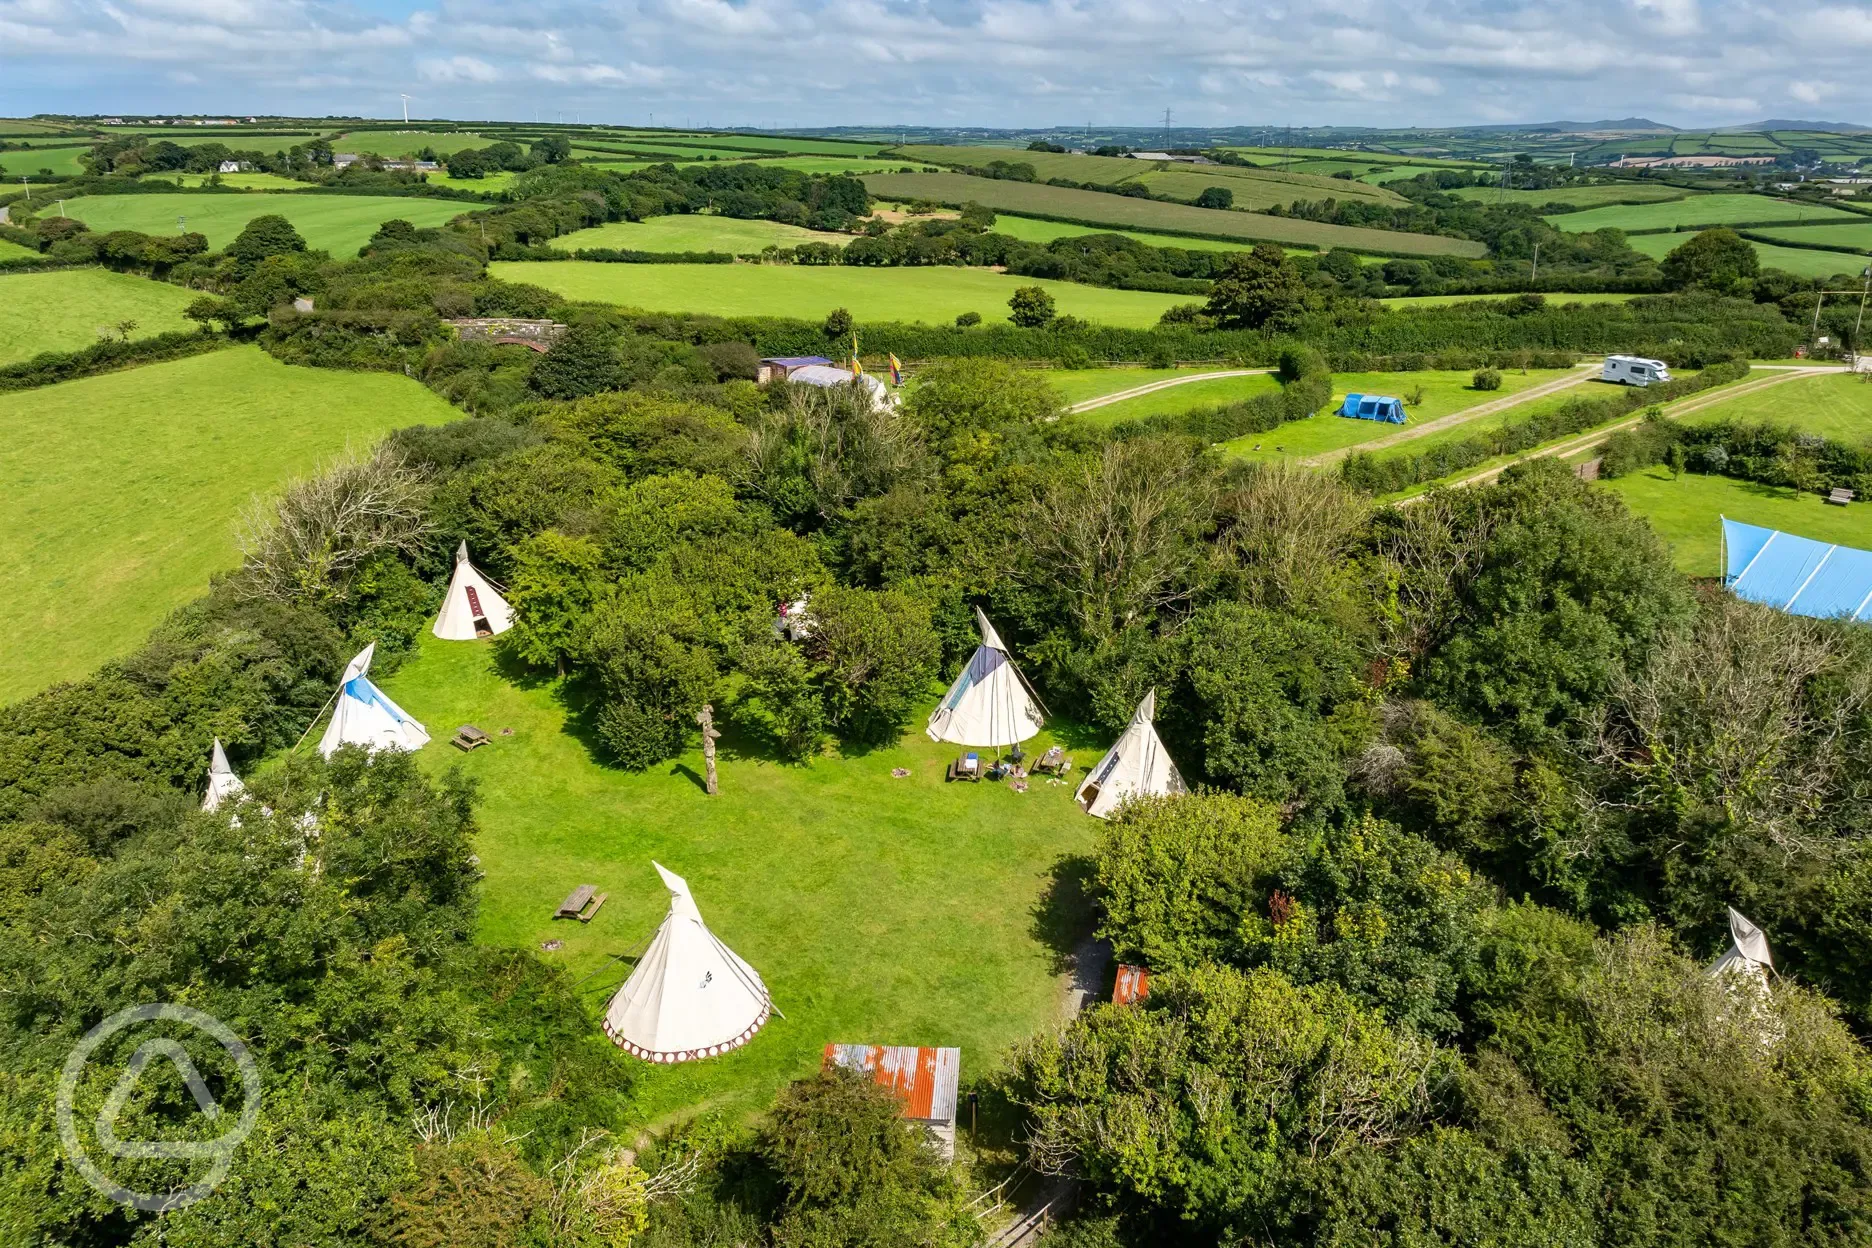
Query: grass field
point(1694, 210)
point(1182, 398)
point(62, 160)
point(65, 310)
point(1686, 511)
point(1837, 406)
point(409, 142)
point(876, 909)
point(13, 251)
point(1079, 384)
point(1857, 235)
point(1800, 261)
point(696, 232)
point(829, 164)
point(241, 181)
point(1444, 393)
point(487, 184)
point(1578, 196)
point(930, 295)
point(339, 224)
point(1123, 212)
point(119, 493)
point(1034, 230)
point(1253, 188)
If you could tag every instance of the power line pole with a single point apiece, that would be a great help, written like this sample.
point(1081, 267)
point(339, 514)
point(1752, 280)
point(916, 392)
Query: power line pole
point(1166, 129)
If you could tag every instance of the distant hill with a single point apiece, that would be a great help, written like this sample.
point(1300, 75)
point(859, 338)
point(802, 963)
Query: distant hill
point(1831, 127)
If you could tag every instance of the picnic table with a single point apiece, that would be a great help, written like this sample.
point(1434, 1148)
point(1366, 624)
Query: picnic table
point(468, 737)
point(968, 767)
point(581, 903)
point(1054, 762)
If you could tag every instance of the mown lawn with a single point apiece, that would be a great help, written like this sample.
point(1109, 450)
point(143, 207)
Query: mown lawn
point(1856, 235)
point(239, 181)
point(700, 231)
point(119, 493)
point(339, 224)
point(13, 251)
point(409, 142)
point(1720, 209)
point(1182, 398)
point(31, 160)
point(930, 295)
point(1034, 230)
point(1079, 384)
point(1687, 510)
point(72, 308)
point(1579, 196)
point(1444, 393)
point(882, 910)
point(1836, 406)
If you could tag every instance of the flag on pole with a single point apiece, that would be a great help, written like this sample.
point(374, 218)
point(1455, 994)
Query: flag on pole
point(896, 371)
point(857, 368)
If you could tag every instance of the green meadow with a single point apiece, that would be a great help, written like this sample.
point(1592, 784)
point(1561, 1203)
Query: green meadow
point(929, 295)
point(1694, 210)
point(877, 909)
point(1687, 511)
point(1176, 399)
point(1838, 406)
point(1857, 235)
point(339, 224)
point(700, 231)
point(1578, 196)
point(122, 490)
point(13, 251)
point(410, 142)
point(1800, 261)
point(1034, 230)
point(61, 160)
point(1444, 393)
point(1075, 385)
point(73, 308)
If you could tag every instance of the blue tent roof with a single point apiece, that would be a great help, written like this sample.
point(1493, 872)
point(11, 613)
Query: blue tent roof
point(1796, 574)
point(795, 361)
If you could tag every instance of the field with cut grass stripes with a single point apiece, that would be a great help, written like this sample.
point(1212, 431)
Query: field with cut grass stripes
point(73, 308)
point(1695, 210)
point(695, 232)
point(934, 295)
point(1123, 212)
point(339, 224)
point(877, 909)
point(119, 493)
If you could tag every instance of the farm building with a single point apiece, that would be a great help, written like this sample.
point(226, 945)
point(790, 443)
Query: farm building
point(1796, 574)
point(925, 1080)
point(1373, 407)
point(780, 367)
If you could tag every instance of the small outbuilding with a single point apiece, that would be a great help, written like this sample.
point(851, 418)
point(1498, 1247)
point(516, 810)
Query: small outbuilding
point(925, 1081)
point(1373, 407)
point(782, 367)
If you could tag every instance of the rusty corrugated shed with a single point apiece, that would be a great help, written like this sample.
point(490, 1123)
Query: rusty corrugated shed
point(1133, 984)
point(924, 1079)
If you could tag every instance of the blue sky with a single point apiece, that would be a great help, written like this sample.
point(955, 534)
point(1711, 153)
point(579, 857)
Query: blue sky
point(779, 63)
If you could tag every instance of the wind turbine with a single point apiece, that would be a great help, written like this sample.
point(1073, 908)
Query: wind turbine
point(406, 100)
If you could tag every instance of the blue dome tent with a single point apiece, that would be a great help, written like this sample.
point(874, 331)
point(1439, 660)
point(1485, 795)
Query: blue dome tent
point(1373, 407)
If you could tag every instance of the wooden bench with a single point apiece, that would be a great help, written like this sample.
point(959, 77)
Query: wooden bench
point(591, 908)
point(468, 737)
point(957, 771)
point(575, 902)
point(1841, 496)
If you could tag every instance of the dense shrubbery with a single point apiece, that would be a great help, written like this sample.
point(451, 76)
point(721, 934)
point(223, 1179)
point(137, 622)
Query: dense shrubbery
point(1769, 453)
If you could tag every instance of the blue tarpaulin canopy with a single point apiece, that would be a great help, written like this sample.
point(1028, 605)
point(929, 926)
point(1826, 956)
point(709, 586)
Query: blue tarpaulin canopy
point(1373, 407)
point(1796, 574)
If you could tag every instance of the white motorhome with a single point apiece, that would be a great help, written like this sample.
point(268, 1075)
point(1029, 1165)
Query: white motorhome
point(1632, 370)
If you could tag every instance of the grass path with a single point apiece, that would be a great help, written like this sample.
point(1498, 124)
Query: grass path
point(1455, 419)
point(119, 493)
point(1137, 392)
point(877, 909)
point(1580, 442)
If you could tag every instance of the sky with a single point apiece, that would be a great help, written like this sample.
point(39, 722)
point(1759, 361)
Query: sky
point(995, 63)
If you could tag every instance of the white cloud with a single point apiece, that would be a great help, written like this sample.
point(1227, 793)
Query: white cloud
point(980, 62)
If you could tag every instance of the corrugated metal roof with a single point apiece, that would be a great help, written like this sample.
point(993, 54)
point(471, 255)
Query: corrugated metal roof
point(1133, 984)
point(924, 1079)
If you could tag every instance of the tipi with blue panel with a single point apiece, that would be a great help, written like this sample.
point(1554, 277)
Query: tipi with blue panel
point(1796, 574)
point(1373, 407)
point(366, 716)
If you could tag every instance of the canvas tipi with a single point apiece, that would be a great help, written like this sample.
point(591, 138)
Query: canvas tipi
point(690, 996)
point(223, 784)
point(989, 704)
point(1136, 765)
point(366, 716)
point(1747, 953)
point(473, 607)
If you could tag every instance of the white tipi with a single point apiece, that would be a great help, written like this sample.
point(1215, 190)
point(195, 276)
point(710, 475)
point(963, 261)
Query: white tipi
point(1747, 953)
point(223, 784)
point(989, 704)
point(1136, 764)
point(473, 607)
point(691, 996)
point(366, 716)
